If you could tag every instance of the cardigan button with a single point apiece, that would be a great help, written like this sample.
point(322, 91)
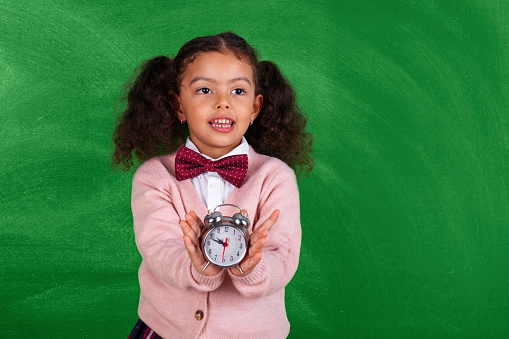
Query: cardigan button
point(199, 315)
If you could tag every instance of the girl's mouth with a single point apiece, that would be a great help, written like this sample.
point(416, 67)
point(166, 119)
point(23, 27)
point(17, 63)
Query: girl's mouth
point(221, 123)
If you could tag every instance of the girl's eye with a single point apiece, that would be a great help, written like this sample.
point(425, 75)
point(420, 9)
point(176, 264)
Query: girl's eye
point(203, 90)
point(238, 91)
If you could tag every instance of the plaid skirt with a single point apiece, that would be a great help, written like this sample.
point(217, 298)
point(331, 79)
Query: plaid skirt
point(142, 331)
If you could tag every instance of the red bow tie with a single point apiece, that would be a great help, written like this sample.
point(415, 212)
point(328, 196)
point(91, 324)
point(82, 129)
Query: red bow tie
point(189, 164)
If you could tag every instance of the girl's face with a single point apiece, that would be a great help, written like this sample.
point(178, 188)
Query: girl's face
point(217, 98)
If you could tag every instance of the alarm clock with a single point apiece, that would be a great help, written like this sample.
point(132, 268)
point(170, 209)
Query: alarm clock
point(224, 240)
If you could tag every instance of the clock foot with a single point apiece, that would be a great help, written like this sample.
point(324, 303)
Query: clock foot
point(240, 270)
point(206, 266)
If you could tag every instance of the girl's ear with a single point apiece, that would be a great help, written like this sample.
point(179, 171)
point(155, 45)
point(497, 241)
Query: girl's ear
point(180, 113)
point(257, 106)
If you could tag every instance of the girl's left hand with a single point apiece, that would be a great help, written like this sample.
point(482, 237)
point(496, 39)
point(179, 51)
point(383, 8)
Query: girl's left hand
point(257, 240)
point(192, 228)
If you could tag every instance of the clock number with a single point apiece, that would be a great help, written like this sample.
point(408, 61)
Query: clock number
point(231, 258)
point(223, 259)
point(215, 258)
point(218, 230)
point(240, 245)
point(238, 253)
point(226, 229)
point(239, 237)
point(210, 251)
point(208, 243)
point(234, 231)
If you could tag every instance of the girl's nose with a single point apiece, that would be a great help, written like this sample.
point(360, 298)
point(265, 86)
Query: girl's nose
point(226, 106)
point(222, 102)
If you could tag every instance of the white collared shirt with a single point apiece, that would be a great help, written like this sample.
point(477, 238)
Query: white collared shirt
point(212, 189)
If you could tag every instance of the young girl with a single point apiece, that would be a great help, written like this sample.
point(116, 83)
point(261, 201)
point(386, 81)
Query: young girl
point(232, 105)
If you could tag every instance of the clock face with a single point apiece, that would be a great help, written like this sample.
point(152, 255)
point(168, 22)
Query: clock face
point(224, 246)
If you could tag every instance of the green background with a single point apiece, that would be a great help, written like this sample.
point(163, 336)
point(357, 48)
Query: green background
point(405, 216)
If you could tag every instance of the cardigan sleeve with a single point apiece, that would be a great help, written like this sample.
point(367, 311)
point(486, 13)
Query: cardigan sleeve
point(159, 238)
point(280, 254)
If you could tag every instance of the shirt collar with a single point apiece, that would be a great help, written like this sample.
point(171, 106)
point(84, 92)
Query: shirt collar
point(243, 148)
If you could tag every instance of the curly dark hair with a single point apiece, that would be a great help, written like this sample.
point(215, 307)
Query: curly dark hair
point(149, 125)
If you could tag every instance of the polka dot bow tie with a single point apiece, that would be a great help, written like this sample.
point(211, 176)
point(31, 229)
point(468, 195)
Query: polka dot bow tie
point(189, 164)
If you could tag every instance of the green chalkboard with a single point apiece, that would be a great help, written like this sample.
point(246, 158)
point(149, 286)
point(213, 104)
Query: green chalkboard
point(405, 217)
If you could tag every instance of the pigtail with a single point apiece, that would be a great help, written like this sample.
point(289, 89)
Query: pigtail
point(280, 129)
point(149, 125)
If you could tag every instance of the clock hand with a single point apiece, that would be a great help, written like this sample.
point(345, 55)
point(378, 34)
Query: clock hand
point(224, 246)
point(219, 241)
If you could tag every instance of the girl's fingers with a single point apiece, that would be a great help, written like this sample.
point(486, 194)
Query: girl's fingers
point(253, 256)
point(266, 225)
point(257, 240)
point(193, 251)
point(197, 259)
point(258, 235)
point(191, 242)
point(257, 247)
point(194, 222)
point(199, 222)
point(270, 221)
point(192, 227)
point(188, 230)
point(249, 264)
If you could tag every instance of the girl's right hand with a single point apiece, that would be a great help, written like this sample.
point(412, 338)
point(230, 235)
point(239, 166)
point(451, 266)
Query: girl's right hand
point(192, 228)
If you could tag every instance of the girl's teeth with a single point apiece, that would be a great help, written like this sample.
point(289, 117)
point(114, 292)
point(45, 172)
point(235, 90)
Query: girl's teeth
point(222, 123)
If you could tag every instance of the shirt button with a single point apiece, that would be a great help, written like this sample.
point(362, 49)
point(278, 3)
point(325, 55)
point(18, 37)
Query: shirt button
point(199, 315)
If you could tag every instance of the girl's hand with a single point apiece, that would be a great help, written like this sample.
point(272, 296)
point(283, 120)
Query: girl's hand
point(257, 240)
point(192, 228)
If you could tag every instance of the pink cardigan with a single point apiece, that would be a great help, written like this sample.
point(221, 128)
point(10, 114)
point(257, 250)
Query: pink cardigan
point(172, 291)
